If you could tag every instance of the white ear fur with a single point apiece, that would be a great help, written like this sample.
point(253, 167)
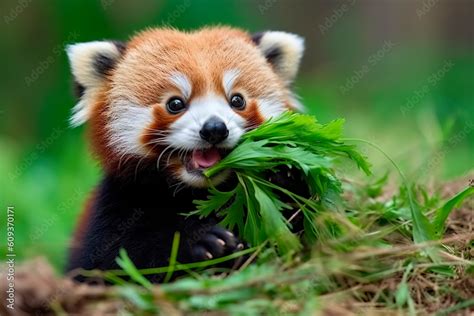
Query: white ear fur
point(283, 50)
point(89, 64)
point(84, 57)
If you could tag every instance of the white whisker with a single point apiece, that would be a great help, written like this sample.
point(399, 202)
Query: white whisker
point(170, 154)
point(161, 155)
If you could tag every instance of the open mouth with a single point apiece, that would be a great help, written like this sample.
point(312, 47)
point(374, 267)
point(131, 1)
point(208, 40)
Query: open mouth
point(200, 159)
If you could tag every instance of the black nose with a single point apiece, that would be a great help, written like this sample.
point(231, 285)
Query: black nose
point(214, 131)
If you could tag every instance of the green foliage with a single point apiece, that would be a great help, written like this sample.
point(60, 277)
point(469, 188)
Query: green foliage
point(373, 252)
point(402, 296)
point(423, 230)
point(255, 205)
point(443, 212)
point(173, 256)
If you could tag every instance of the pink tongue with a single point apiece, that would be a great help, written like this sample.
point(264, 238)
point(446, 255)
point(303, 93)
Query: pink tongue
point(206, 158)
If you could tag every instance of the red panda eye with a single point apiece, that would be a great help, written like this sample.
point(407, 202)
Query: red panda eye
point(175, 105)
point(237, 101)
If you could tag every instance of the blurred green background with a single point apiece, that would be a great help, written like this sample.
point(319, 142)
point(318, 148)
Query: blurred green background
point(400, 72)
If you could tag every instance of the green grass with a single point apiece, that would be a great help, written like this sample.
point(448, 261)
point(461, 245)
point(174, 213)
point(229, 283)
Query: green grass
point(374, 265)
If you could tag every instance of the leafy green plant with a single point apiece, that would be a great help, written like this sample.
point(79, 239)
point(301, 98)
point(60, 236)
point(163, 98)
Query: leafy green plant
point(255, 204)
point(368, 251)
point(375, 266)
point(443, 212)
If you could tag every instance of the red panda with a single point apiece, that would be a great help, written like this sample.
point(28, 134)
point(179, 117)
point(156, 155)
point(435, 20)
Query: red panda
point(160, 109)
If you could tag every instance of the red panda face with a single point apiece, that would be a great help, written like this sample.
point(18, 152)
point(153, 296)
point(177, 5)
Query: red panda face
point(181, 100)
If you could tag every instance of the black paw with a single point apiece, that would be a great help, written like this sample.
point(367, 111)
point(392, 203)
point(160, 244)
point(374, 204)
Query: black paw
point(215, 243)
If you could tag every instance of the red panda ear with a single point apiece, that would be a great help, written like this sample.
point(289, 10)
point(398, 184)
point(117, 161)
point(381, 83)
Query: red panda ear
point(282, 50)
point(90, 63)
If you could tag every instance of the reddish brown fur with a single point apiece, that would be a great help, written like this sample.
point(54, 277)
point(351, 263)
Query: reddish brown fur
point(204, 57)
point(98, 133)
point(252, 115)
point(152, 56)
point(162, 122)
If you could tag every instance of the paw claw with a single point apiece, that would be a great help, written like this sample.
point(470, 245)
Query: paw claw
point(215, 243)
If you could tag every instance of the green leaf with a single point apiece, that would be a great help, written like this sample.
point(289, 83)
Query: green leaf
point(252, 231)
point(233, 214)
point(422, 228)
point(402, 295)
point(443, 212)
point(376, 188)
point(215, 201)
point(403, 292)
point(173, 257)
point(274, 224)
